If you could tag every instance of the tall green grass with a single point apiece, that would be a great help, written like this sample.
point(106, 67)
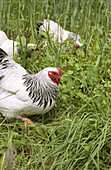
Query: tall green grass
point(76, 133)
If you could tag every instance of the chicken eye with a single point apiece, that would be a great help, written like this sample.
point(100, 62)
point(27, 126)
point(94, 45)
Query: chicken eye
point(54, 73)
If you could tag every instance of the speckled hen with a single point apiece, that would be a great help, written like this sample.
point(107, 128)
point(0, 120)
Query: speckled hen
point(24, 94)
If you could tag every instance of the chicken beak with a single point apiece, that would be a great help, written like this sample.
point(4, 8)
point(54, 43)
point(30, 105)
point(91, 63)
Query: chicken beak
point(61, 78)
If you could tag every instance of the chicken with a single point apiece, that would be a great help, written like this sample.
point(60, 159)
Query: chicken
point(57, 32)
point(12, 47)
point(24, 94)
point(3, 37)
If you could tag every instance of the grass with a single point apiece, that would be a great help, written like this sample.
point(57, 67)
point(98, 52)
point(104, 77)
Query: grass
point(76, 133)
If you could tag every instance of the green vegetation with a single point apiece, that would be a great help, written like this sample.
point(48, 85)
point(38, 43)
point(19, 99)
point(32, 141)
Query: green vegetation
point(76, 133)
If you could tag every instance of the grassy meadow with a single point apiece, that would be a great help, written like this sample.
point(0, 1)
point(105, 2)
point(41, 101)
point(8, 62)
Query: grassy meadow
point(76, 133)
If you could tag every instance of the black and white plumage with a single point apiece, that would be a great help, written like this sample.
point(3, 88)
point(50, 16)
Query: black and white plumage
point(12, 47)
point(57, 32)
point(24, 94)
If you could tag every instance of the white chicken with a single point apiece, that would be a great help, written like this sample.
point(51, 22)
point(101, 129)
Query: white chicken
point(57, 32)
point(24, 94)
point(3, 37)
point(12, 47)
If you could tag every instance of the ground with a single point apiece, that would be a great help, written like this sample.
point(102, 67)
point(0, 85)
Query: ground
point(76, 133)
